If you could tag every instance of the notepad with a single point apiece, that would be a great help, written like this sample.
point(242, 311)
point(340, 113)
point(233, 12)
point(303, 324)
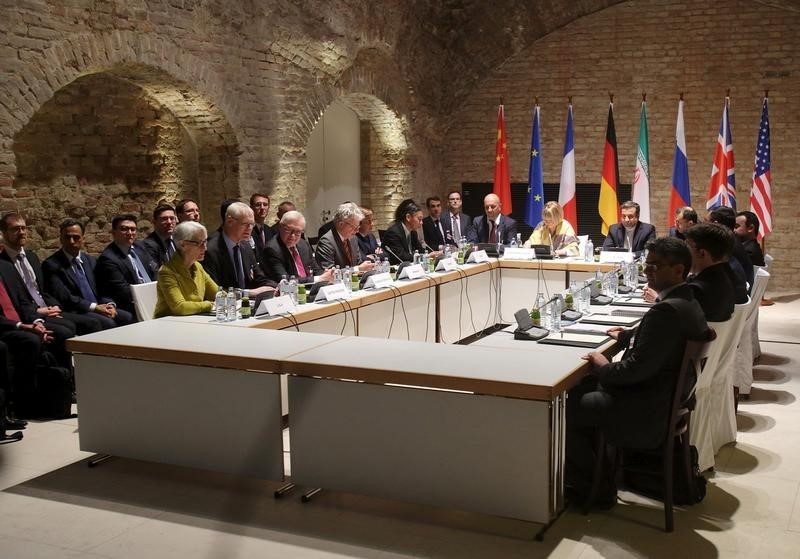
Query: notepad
point(610, 320)
point(575, 340)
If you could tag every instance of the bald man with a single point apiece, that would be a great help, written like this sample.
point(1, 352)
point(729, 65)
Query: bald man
point(493, 226)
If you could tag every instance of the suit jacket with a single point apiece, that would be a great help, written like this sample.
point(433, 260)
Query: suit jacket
point(506, 230)
point(156, 248)
point(713, 289)
point(641, 234)
point(433, 237)
point(19, 296)
point(60, 280)
point(330, 250)
point(115, 274)
point(181, 292)
point(642, 382)
point(219, 264)
point(279, 261)
point(741, 263)
point(33, 260)
point(673, 232)
point(753, 250)
point(261, 245)
point(394, 241)
point(368, 244)
point(464, 222)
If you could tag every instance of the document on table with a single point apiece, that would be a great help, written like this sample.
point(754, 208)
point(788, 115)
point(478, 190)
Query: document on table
point(610, 320)
point(575, 339)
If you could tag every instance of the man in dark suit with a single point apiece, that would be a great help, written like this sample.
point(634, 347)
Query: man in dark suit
point(712, 281)
point(367, 243)
point(747, 226)
point(229, 260)
point(433, 228)
point(454, 220)
point(493, 226)
point(159, 244)
point(122, 263)
point(29, 268)
point(629, 400)
point(339, 246)
point(187, 210)
point(631, 233)
point(289, 254)
point(283, 207)
point(69, 274)
point(26, 333)
point(739, 260)
point(262, 233)
point(401, 240)
point(685, 217)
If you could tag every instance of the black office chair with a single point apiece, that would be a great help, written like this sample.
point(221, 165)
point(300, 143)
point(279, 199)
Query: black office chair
point(677, 430)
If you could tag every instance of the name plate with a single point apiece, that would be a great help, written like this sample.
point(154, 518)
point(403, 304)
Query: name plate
point(446, 264)
point(414, 271)
point(613, 256)
point(277, 305)
point(378, 281)
point(519, 253)
point(331, 292)
point(478, 256)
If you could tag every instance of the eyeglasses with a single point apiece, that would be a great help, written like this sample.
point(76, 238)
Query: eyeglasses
point(203, 243)
point(249, 224)
point(291, 231)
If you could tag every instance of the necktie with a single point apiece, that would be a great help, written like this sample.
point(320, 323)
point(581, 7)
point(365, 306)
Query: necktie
point(30, 282)
point(138, 267)
point(441, 233)
point(83, 282)
point(298, 263)
point(348, 252)
point(492, 232)
point(170, 248)
point(237, 264)
point(8, 307)
point(456, 228)
point(262, 235)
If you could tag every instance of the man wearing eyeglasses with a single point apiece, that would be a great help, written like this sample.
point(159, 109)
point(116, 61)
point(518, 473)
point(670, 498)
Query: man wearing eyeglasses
point(124, 262)
point(339, 246)
point(159, 244)
point(289, 254)
point(229, 260)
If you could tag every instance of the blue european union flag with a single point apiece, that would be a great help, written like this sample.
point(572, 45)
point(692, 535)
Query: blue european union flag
point(535, 201)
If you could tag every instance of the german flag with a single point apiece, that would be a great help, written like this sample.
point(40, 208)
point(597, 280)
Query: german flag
point(608, 206)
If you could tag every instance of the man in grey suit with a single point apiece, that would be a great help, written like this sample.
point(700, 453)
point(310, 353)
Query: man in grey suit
point(339, 246)
point(456, 223)
point(289, 254)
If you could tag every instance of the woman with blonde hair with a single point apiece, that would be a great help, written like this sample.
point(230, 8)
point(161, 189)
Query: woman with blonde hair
point(555, 232)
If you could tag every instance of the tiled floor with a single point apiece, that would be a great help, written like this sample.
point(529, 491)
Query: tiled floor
point(54, 506)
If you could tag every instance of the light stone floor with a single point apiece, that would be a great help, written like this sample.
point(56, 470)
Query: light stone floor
point(52, 505)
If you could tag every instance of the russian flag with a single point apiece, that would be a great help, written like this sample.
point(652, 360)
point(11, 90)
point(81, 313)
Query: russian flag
point(566, 191)
point(680, 192)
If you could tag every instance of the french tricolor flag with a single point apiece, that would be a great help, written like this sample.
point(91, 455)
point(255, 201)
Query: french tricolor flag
point(679, 193)
point(566, 191)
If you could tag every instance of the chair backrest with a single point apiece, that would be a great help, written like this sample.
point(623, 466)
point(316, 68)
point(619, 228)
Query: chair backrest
point(144, 299)
point(768, 262)
point(759, 288)
point(695, 358)
point(716, 350)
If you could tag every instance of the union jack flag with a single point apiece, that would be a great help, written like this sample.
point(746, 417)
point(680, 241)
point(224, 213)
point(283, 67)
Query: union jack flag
point(761, 191)
point(722, 191)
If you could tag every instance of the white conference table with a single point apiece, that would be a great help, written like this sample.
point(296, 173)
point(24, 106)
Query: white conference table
point(410, 420)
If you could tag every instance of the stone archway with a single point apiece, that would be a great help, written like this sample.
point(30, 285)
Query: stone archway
point(62, 109)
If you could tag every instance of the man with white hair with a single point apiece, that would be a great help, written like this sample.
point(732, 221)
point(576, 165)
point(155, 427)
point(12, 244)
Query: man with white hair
point(339, 246)
point(229, 259)
point(289, 254)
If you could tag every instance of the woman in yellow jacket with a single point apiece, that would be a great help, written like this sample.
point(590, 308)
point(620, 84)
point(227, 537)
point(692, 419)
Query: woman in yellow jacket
point(554, 232)
point(184, 287)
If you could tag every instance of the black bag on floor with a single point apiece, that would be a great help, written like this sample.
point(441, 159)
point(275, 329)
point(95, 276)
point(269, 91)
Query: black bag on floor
point(642, 474)
point(53, 389)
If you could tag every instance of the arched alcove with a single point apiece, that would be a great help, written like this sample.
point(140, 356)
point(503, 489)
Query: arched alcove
point(121, 141)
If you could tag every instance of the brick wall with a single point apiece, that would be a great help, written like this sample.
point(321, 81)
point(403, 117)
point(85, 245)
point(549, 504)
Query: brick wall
point(698, 47)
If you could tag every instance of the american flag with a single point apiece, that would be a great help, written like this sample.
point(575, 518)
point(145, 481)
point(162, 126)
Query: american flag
point(722, 191)
point(761, 192)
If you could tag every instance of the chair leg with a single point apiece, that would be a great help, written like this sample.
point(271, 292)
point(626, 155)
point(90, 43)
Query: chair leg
point(667, 473)
point(687, 466)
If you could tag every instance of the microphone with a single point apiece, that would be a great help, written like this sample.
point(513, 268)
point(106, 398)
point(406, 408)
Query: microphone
point(543, 305)
point(390, 251)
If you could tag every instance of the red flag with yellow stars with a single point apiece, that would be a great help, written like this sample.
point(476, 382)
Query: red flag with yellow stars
point(502, 180)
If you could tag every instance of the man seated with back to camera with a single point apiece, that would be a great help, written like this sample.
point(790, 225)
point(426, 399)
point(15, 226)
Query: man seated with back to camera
point(629, 400)
point(629, 233)
point(339, 246)
point(713, 283)
point(289, 254)
point(739, 260)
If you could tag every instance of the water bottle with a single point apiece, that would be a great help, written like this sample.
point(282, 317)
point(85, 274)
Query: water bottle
point(515, 241)
point(547, 316)
point(283, 286)
point(219, 306)
point(587, 296)
point(337, 275)
point(417, 257)
point(556, 314)
point(292, 288)
point(588, 254)
point(447, 253)
point(230, 303)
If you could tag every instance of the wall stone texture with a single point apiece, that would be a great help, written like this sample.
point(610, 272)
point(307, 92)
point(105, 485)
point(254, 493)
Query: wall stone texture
point(111, 105)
